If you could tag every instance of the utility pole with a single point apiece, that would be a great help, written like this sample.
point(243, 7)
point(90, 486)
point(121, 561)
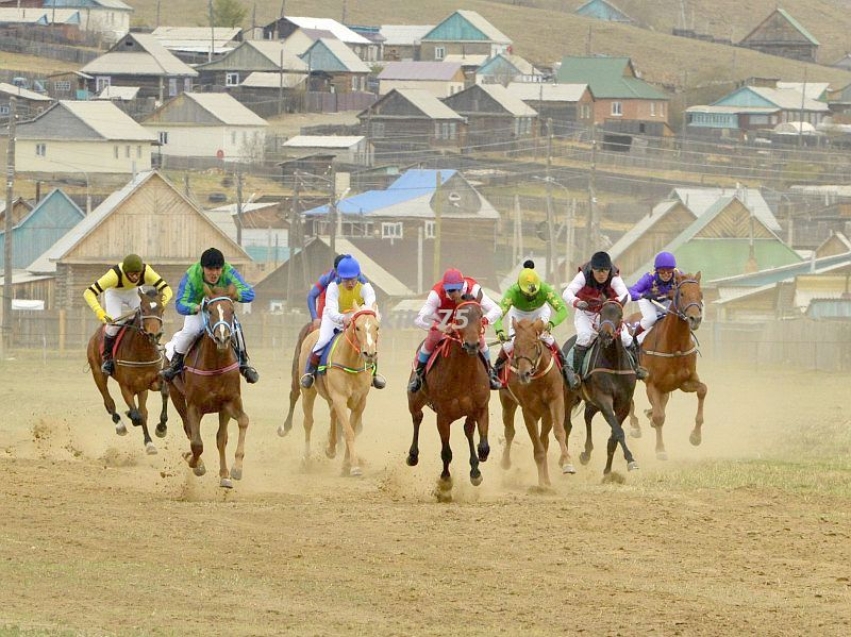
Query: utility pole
point(549, 180)
point(212, 34)
point(291, 242)
point(239, 203)
point(281, 83)
point(435, 271)
point(592, 226)
point(6, 341)
point(332, 214)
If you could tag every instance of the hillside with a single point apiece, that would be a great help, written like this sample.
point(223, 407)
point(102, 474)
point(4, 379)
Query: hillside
point(545, 30)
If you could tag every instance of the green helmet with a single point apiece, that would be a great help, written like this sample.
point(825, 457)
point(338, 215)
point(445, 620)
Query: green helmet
point(132, 263)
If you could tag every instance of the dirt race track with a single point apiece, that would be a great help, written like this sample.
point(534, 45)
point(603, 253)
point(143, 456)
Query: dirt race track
point(749, 534)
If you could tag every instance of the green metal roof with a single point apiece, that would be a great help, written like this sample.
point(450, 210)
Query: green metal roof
point(720, 258)
point(608, 78)
point(798, 26)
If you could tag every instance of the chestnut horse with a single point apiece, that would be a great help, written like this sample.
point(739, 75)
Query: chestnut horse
point(295, 385)
point(456, 385)
point(210, 383)
point(138, 360)
point(345, 384)
point(535, 384)
point(609, 386)
point(669, 353)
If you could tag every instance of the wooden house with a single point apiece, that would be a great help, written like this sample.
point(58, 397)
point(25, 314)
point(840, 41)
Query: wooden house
point(151, 216)
point(412, 119)
point(352, 150)
point(195, 45)
point(494, 116)
point(285, 26)
point(401, 41)
point(441, 79)
point(86, 137)
point(781, 34)
point(208, 125)
point(603, 10)
point(567, 106)
point(28, 103)
point(266, 56)
point(20, 209)
point(334, 68)
point(505, 68)
point(466, 33)
point(40, 228)
point(106, 20)
point(398, 226)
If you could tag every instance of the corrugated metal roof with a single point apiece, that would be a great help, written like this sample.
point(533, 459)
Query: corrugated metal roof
point(11, 89)
point(607, 77)
point(125, 93)
point(196, 38)
point(699, 200)
point(476, 29)
point(508, 101)
point(78, 4)
point(262, 79)
point(339, 50)
point(101, 116)
point(419, 71)
point(519, 64)
point(341, 32)
point(152, 59)
point(324, 141)
point(227, 109)
point(539, 91)
point(427, 103)
point(404, 34)
point(466, 59)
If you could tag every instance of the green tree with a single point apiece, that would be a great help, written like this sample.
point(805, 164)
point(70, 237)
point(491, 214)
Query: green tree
point(228, 13)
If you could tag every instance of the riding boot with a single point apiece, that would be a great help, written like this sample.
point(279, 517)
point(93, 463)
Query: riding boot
point(501, 360)
point(493, 379)
point(309, 376)
point(579, 352)
point(419, 373)
point(641, 373)
point(108, 365)
point(569, 375)
point(174, 369)
point(249, 373)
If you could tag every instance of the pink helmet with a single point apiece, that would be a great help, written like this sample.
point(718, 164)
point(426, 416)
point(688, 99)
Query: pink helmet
point(453, 280)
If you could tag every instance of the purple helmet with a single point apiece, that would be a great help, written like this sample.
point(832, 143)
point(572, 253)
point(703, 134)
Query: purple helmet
point(665, 260)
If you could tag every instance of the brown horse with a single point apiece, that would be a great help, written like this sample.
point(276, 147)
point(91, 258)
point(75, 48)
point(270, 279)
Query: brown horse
point(210, 383)
point(535, 384)
point(669, 352)
point(345, 383)
point(455, 386)
point(609, 386)
point(138, 361)
point(295, 385)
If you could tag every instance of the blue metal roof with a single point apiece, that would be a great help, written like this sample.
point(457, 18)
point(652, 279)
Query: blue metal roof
point(410, 185)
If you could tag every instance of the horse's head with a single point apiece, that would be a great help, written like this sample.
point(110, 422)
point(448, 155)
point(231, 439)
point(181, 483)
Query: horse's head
point(527, 347)
point(611, 320)
point(687, 299)
point(467, 323)
point(151, 313)
point(217, 310)
point(365, 328)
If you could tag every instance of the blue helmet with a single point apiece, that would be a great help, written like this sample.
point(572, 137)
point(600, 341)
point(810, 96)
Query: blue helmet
point(348, 268)
point(665, 260)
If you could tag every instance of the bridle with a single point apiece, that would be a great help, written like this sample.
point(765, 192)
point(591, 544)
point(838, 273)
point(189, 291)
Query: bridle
point(616, 328)
point(675, 309)
point(221, 323)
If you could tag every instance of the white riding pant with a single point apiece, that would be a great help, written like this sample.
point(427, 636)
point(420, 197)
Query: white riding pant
point(193, 325)
point(587, 323)
point(649, 315)
point(118, 302)
point(544, 312)
point(327, 328)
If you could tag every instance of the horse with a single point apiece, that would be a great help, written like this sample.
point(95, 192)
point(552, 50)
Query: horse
point(295, 385)
point(609, 386)
point(669, 353)
point(138, 360)
point(210, 383)
point(455, 385)
point(352, 357)
point(535, 384)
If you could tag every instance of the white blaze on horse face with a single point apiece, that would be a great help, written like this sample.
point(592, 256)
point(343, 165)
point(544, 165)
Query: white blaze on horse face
point(370, 342)
point(221, 322)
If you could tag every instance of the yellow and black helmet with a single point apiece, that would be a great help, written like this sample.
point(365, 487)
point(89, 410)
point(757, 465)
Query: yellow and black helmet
point(529, 282)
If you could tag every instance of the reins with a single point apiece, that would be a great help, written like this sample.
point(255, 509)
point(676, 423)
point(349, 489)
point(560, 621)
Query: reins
point(137, 325)
point(348, 334)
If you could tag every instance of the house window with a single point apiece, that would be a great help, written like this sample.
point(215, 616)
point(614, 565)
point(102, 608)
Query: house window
point(41, 150)
point(5, 109)
point(232, 79)
point(138, 152)
point(62, 87)
point(652, 109)
point(445, 130)
point(233, 138)
point(617, 109)
point(115, 151)
point(439, 52)
point(101, 83)
point(429, 229)
point(127, 151)
point(172, 87)
point(391, 230)
point(163, 137)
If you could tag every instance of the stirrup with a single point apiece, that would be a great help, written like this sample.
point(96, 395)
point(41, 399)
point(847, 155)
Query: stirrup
point(416, 384)
point(307, 380)
point(379, 382)
point(250, 374)
point(641, 373)
point(495, 383)
point(108, 366)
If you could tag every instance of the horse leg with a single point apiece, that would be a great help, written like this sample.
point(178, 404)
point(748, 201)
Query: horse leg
point(356, 426)
point(658, 402)
point(108, 402)
point(694, 385)
point(556, 423)
point(445, 484)
point(162, 427)
point(509, 408)
point(196, 445)
point(469, 430)
point(416, 410)
point(616, 437)
point(634, 425)
point(222, 445)
point(333, 431)
point(483, 424)
point(307, 404)
point(295, 392)
point(137, 412)
point(585, 456)
point(236, 412)
point(350, 461)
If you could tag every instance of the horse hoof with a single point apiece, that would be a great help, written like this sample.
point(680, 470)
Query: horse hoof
point(150, 449)
point(695, 438)
point(200, 470)
point(568, 468)
point(330, 453)
point(632, 466)
point(283, 431)
point(355, 472)
point(635, 432)
point(584, 457)
point(121, 429)
point(661, 455)
point(226, 483)
point(236, 474)
point(505, 465)
point(412, 461)
point(476, 480)
point(161, 431)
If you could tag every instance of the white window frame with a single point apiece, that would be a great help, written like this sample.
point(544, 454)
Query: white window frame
point(617, 109)
point(41, 149)
point(430, 229)
point(163, 137)
point(439, 52)
point(391, 230)
point(232, 79)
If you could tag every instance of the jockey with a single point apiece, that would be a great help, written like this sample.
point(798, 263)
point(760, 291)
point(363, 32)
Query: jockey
point(652, 291)
point(597, 281)
point(213, 270)
point(530, 298)
point(120, 295)
point(316, 295)
point(437, 314)
point(347, 289)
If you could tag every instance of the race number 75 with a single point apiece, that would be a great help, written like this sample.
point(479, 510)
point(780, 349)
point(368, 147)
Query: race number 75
point(445, 318)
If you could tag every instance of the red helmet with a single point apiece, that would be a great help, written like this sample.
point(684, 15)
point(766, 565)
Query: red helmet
point(453, 280)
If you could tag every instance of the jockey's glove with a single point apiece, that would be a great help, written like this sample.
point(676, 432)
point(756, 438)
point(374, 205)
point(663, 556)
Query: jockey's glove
point(103, 317)
point(581, 305)
point(502, 336)
point(550, 326)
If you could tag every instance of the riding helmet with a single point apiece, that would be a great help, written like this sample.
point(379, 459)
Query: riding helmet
point(601, 261)
point(529, 282)
point(453, 280)
point(212, 258)
point(665, 260)
point(348, 268)
point(132, 263)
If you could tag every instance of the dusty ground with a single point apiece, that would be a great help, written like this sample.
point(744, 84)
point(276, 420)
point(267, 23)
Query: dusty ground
point(741, 536)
